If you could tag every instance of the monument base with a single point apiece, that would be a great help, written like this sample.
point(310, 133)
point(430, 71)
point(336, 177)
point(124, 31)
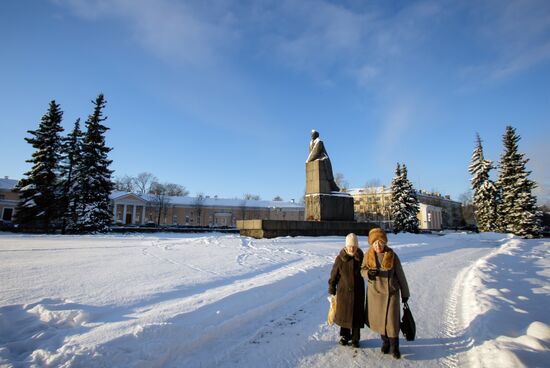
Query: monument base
point(274, 228)
point(329, 207)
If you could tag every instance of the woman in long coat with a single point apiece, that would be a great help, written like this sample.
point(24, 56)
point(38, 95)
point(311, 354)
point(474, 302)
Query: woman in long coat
point(386, 281)
point(348, 285)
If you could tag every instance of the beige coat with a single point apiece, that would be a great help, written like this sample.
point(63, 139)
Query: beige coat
point(383, 294)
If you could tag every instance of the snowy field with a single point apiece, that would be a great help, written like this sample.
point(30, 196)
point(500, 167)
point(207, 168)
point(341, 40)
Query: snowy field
point(173, 300)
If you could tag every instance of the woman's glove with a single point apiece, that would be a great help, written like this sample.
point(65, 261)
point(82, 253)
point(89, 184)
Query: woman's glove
point(372, 273)
point(405, 299)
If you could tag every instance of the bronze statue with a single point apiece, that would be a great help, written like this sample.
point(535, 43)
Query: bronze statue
point(317, 152)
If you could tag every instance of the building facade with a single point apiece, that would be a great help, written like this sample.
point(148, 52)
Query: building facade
point(436, 212)
point(133, 209)
point(8, 199)
point(430, 217)
point(451, 211)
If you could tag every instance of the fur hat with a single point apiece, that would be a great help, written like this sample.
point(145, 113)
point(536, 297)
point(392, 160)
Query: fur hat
point(377, 234)
point(351, 239)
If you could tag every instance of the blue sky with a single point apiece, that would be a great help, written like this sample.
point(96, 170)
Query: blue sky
point(221, 96)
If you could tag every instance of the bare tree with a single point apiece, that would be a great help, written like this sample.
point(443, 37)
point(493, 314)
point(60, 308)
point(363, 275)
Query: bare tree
point(373, 183)
point(144, 181)
point(125, 183)
point(199, 204)
point(243, 209)
point(341, 182)
point(175, 190)
point(160, 200)
point(278, 198)
point(467, 207)
point(251, 197)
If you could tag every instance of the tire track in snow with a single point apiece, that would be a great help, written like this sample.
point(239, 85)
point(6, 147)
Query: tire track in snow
point(451, 323)
point(156, 245)
point(455, 324)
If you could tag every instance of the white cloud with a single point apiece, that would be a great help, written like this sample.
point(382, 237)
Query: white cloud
point(514, 34)
point(177, 32)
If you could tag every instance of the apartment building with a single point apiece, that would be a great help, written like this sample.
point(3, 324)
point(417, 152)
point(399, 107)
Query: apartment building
point(436, 212)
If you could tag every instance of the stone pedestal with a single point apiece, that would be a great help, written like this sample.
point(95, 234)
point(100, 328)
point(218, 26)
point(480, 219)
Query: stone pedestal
point(329, 207)
point(316, 178)
point(275, 228)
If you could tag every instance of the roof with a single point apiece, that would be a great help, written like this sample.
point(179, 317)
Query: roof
point(369, 190)
point(7, 184)
point(387, 190)
point(215, 202)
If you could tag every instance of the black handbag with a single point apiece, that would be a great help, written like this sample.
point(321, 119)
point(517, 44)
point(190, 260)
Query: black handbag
point(408, 326)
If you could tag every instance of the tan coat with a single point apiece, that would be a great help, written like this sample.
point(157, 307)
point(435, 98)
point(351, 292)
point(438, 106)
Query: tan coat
point(348, 285)
point(383, 293)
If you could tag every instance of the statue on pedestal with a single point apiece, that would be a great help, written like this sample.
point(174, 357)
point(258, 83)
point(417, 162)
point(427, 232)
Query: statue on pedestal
point(317, 152)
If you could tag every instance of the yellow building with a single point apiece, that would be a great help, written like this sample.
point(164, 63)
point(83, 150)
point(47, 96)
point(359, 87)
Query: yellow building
point(436, 212)
point(372, 204)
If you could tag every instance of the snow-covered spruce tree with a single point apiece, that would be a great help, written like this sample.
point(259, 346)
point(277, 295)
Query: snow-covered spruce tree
point(71, 177)
point(484, 190)
point(517, 210)
point(397, 207)
point(39, 206)
point(95, 182)
point(411, 203)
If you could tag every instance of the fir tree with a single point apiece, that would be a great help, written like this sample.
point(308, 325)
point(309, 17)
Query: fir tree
point(39, 208)
point(484, 190)
point(72, 176)
point(397, 207)
point(95, 185)
point(517, 210)
point(411, 203)
point(404, 204)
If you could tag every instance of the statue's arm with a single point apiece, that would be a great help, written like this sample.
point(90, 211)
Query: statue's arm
point(316, 152)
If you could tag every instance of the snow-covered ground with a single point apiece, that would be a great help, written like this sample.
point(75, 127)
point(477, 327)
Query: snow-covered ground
point(172, 300)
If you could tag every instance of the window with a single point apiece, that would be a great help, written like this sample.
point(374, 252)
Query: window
point(7, 214)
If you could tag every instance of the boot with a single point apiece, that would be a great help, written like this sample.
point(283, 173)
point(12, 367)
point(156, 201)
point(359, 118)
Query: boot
point(355, 336)
point(394, 347)
point(345, 336)
point(385, 349)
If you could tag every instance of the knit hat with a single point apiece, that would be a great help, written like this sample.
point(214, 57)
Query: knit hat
point(351, 239)
point(377, 234)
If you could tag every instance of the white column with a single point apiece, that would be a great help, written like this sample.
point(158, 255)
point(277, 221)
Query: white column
point(124, 215)
point(114, 212)
point(143, 215)
point(134, 215)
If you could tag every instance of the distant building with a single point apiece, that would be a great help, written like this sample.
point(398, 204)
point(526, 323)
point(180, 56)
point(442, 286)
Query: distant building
point(372, 204)
point(451, 211)
point(436, 212)
point(132, 209)
point(430, 217)
point(8, 198)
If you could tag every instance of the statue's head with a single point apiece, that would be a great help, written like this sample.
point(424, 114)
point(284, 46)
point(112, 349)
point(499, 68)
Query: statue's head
point(314, 134)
